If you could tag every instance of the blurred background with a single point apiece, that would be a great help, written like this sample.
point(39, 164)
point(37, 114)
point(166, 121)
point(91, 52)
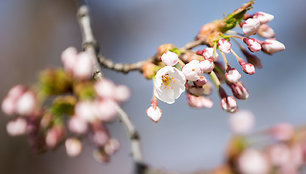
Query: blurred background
point(34, 33)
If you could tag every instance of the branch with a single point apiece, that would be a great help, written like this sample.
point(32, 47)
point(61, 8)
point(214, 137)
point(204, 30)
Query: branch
point(90, 45)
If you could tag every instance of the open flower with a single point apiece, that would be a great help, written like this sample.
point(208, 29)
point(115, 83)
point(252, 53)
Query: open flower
point(192, 70)
point(169, 84)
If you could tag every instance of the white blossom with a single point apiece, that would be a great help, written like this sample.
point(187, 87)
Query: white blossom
point(242, 122)
point(154, 113)
point(16, 127)
point(224, 46)
point(208, 52)
point(266, 31)
point(229, 104)
point(170, 58)
point(192, 70)
point(252, 161)
point(233, 76)
point(271, 46)
point(25, 104)
point(250, 26)
point(263, 17)
point(73, 147)
point(207, 66)
point(169, 84)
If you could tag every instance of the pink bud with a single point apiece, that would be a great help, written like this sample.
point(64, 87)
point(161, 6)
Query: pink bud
point(111, 147)
point(105, 88)
point(208, 52)
point(224, 46)
point(169, 58)
point(253, 44)
point(25, 104)
point(199, 102)
point(16, 127)
point(248, 68)
point(8, 105)
point(154, 113)
point(250, 26)
point(265, 31)
point(263, 17)
point(100, 137)
point(282, 131)
point(77, 125)
point(106, 110)
point(16, 91)
point(202, 81)
point(73, 147)
point(192, 70)
point(53, 136)
point(85, 110)
point(229, 104)
point(271, 46)
point(197, 91)
point(242, 122)
point(233, 76)
point(83, 68)
point(207, 66)
point(239, 91)
point(252, 161)
point(69, 58)
point(121, 93)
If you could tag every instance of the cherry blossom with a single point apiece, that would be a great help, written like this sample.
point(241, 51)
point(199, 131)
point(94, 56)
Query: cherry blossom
point(169, 58)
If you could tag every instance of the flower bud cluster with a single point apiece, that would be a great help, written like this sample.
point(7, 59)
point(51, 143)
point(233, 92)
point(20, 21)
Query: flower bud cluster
point(66, 106)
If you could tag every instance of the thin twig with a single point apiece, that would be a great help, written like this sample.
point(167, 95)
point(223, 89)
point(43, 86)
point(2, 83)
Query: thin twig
point(90, 45)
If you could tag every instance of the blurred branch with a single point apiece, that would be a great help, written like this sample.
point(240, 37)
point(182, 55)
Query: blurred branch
point(90, 45)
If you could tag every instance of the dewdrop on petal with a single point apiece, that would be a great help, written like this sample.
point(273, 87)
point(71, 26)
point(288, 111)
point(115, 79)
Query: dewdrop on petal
point(16, 127)
point(250, 26)
point(169, 84)
point(224, 46)
point(73, 147)
point(192, 70)
point(169, 58)
point(233, 75)
point(242, 122)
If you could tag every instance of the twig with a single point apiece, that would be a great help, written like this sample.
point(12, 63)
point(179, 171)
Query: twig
point(90, 45)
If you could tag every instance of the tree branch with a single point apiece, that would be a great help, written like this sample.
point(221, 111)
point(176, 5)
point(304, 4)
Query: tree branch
point(90, 45)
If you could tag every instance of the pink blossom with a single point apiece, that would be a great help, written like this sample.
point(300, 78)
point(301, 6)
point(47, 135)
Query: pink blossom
point(106, 110)
point(16, 127)
point(199, 102)
point(169, 58)
point(111, 147)
point(100, 137)
point(252, 161)
point(265, 31)
point(53, 136)
point(83, 68)
point(282, 131)
point(242, 122)
point(224, 46)
point(253, 44)
point(8, 105)
point(248, 68)
point(233, 75)
point(279, 154)
point(85, 110)
point(77, 125)
point(192, 70)
point(229, 104)
point(202, 81)
point(271, 46)
point(121, 93)
point(105, 88)
point(250, 26)
point(69, 58)
point(73, 147)
point(25, 104)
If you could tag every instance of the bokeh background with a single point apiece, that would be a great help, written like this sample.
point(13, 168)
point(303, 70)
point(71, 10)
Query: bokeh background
point(34, 33)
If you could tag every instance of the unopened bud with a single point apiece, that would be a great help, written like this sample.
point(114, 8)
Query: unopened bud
point(253, 44)
point(271, 46)
point(263, 17)
point(169, 58)
point(233, 75)
point(229, 104)
point(265, 31)
point(199, 102)
point(239, 91)
point(224, 46)
point(163, 48)
point(73, 147)
point(153, 112)
point(207, 66)
point(250, 26)
point(16, 127)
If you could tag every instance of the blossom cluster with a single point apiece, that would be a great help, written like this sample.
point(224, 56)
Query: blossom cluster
point(281, 148)
point(65, 107)
point(181, 70)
